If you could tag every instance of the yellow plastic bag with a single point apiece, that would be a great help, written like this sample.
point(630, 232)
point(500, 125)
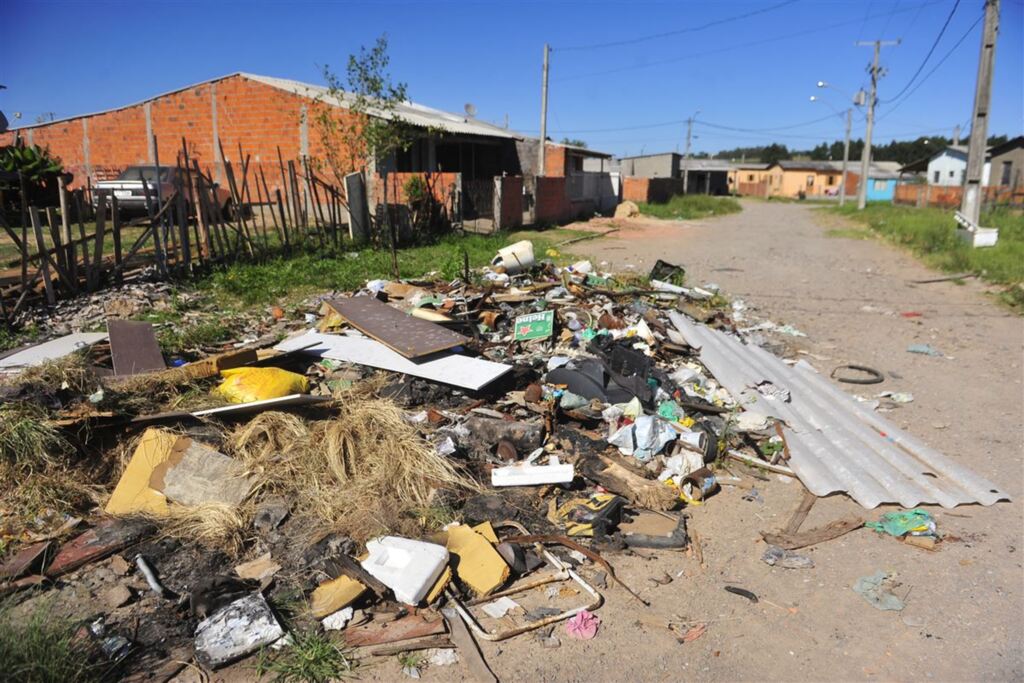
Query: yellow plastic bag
point(245, 385)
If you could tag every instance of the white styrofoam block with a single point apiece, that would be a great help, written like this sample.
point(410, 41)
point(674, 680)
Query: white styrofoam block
point(525, 474)
point(409, 568)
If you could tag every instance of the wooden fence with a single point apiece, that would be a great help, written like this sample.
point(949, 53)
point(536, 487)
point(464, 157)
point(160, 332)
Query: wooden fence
point(949, 197)
point(182, 235)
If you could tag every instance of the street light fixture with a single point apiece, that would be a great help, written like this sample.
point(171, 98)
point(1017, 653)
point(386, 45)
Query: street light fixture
point(846, 141)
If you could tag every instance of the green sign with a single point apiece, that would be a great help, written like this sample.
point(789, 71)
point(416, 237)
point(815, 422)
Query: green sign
point(534, 326)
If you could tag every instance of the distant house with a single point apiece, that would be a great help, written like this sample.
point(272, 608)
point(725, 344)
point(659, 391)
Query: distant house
point(883, 176)
point(947, 167)
point(811, 178)
point(1007, 161)
point(703, 176)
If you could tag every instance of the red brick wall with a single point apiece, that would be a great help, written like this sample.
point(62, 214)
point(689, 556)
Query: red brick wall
point(554, 161)
point(552, 205)
point(637, 189)
point(260, 117)
point(443, 184)
point(510, 213)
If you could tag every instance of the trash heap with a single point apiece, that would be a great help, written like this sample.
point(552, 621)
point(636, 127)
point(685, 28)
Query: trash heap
point(418, 463)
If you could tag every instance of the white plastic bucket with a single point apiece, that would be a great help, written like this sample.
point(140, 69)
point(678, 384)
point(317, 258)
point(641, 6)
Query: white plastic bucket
point(515, 257)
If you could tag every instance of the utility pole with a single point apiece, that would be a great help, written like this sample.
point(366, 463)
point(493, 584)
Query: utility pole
point(865, 158)
point(956, 134)
point(543, 112)
point(846, 156)
point(686, 156)
point(970, 206)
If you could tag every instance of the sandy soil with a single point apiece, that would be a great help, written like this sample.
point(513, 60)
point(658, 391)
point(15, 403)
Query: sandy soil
point(964, 605)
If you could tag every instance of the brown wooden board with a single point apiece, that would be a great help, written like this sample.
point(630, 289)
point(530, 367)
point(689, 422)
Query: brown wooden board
point(106, 538)
point(399, 331)
point(133, 347)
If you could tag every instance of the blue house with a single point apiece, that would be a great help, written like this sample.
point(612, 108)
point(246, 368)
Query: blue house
point(882, 181)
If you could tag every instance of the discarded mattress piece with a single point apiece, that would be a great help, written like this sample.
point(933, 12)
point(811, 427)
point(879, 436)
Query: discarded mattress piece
point(47, 351)
point(448, 368)
point(835, 443)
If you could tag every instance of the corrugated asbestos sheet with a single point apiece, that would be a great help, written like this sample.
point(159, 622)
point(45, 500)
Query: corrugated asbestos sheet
point(836, 443)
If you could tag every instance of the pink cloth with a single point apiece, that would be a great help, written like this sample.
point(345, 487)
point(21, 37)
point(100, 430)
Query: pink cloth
point(583, 626)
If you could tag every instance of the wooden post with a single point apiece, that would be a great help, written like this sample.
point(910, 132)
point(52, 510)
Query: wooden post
point(115, 231)
point(59, 252)
point(44, 263)
point(79, 198)
point(186, 248)
point(70, 258)
point(287, 188)
point(270, 202)
point(96, 272)
point(25, 220)
point(284, 223)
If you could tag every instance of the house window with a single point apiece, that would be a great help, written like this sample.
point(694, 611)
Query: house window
point(951, 174)
point(1007, 170)
point(879, 186)
point(810, 181)
point(936, 178)
point(750, 177)
point(831, 180)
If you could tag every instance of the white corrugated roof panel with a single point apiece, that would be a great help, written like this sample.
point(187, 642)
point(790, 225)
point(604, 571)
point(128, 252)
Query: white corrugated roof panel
point(836, 443)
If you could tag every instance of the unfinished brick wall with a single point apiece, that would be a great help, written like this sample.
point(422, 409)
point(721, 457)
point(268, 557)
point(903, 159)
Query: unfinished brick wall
point(554, 161)
point(650, 189)
point(510, 195)
point(552, 204)
point(259, 116)
point(443, 186)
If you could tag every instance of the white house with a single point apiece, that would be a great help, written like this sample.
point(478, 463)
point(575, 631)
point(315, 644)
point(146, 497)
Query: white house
point(949, 167)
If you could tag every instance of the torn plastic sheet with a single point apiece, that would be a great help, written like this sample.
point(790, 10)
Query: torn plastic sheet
point(644, 438)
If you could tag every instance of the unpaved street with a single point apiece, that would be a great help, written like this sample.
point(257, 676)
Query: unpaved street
point(965, 609)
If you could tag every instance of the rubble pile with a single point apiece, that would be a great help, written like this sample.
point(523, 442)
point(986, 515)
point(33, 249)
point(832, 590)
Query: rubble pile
point(419, 463)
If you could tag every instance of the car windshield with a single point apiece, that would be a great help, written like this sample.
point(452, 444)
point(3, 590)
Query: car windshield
point(147, 172)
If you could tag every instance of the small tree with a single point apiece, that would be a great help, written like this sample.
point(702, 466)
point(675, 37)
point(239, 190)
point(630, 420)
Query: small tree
point(574, 142)
point(375, 129)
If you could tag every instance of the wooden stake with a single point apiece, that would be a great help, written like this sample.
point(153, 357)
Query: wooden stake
point(70, 258)
point(44, 262)
point(97, 255)
point(115, 230)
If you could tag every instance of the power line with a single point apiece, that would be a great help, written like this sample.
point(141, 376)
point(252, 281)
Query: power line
point(934, 68)
point(928, 56)
point(681, 121)
point(765, 130)
point(654, 36)
point(730, 48)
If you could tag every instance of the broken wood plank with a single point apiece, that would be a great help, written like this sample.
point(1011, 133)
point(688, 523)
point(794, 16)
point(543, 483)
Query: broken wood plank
point(794, 541)
point(399, 331)
point(133, 348)
point(106, 538)
point(414, 625)
point(800, 514)
point(344, 565)
point(29, 558)
point(44, 263)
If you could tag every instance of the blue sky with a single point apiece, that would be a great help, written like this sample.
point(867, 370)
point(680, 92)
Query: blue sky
point(752, 73)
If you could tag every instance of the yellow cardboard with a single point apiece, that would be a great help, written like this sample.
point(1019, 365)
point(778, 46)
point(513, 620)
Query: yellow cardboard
point(442, 583)
point(480, 566)
point(487, 531)
point(133, 494)
point(334, 595)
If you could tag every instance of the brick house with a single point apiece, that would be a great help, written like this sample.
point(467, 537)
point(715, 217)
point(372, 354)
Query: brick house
point(269, 117)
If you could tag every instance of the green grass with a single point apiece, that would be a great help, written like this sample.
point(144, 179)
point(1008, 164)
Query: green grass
point(28, 440)
point(178, 339)
point(40, 648)
point(307, 273)
point(691, 206)
point(313, 657)
point(931, 234)
point(849, 233)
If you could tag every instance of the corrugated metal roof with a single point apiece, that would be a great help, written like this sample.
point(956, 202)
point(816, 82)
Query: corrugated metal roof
point(413, 113)
point(835, 443)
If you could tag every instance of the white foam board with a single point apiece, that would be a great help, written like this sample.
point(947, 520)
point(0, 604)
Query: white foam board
point(448, 368)
point(51, 350)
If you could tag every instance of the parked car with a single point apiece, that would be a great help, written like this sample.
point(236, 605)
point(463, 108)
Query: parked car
point(131, 196)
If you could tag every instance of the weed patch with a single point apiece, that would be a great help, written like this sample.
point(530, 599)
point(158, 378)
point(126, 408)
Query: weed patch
point(42, 649)
point(313, 657)
point(682, 207)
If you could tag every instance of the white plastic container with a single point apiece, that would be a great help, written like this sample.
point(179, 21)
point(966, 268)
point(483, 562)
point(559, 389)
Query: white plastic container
point(515, 257)
point(409, 568)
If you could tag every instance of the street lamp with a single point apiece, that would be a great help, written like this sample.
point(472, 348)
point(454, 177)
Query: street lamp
point(846, 141)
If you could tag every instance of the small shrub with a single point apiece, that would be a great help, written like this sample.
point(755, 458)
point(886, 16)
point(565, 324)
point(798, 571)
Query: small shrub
point(683, 207)
point(312, 658)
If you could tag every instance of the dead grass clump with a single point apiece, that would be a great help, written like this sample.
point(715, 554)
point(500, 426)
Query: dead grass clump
point(214, 525)
point(363, 473)
point(29, 442)
point(72, 374)
point(57, 488)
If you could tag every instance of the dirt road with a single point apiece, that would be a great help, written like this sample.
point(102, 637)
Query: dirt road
point(965, 609)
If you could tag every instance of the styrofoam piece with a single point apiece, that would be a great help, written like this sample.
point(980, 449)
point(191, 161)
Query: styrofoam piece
point(448, 368)
point(526, 474)
point(409, 568)
point(51, 350)
point(979, 237)
point(291, 400)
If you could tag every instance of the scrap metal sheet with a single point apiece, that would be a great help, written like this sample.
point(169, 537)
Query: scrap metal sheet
point(835, 443)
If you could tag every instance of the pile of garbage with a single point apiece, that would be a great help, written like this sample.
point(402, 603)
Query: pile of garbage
point(421, 463)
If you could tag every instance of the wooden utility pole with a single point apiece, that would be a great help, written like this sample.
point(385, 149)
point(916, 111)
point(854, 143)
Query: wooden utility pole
point(543, 112)
point(865, 158)
point(846, 156)
point(970, 205)
point(686, 156)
